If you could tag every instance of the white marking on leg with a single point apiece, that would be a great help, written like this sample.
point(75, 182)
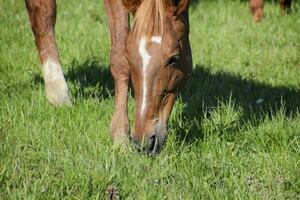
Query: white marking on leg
point(52, 71)
point(56, 87)
point(146, 60)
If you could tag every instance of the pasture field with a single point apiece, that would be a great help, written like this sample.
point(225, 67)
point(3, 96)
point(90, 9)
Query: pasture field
point(234, 132)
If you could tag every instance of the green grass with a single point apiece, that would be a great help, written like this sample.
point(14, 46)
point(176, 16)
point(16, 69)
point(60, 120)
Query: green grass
point(234, 132)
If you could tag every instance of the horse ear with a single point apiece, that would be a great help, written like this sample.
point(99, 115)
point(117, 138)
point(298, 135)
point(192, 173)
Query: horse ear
point(177, 6)
point(131, 5)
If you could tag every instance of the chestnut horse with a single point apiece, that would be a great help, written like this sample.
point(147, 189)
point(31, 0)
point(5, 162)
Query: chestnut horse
point(155, 54)
point(257, 8)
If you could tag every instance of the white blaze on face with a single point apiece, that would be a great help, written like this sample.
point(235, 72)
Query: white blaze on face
point(146, 60)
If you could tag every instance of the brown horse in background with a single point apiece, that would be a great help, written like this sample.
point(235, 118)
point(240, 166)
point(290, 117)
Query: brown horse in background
point(155, 54)
point(257, 8)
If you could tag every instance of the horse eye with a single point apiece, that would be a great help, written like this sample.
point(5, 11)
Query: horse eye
point(172, 60)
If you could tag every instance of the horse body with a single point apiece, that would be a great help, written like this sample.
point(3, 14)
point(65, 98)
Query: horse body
point(257, 8)
point(156, 57)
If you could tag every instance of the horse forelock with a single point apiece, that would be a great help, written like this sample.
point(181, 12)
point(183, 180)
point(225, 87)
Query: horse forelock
point(149, 19)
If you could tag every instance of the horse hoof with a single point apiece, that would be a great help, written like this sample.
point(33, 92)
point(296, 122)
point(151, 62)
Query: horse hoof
point(58, 94)
point(55, 84)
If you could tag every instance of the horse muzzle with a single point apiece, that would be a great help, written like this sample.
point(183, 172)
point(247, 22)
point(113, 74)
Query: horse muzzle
point(150, 143)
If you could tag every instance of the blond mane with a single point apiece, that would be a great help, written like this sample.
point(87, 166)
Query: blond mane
point(149, 19)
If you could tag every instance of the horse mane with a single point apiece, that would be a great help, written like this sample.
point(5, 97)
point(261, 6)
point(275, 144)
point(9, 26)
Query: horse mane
point(149, 19)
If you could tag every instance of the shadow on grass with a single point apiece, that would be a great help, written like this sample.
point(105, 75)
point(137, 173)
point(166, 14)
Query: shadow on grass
point(203, 93)
point(195, 2)
point(205, 90)
point(89, 79)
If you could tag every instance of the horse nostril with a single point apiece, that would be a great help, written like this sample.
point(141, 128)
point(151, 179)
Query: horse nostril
point(153, 146)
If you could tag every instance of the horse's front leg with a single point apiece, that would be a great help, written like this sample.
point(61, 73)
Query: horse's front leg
point(42, 15)
point(118, 24)
point(285, 6)
point(257, 9)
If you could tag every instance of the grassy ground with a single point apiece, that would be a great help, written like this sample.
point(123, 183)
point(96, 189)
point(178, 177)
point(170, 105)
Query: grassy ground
point(234, 132)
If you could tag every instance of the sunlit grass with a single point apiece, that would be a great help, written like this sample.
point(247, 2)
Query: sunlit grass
point(234, 131)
